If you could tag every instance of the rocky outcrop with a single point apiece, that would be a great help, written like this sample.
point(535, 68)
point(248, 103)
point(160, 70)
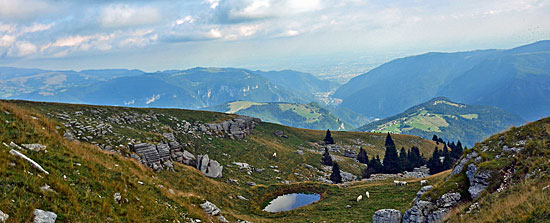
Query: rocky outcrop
point(161, 156)
point(387, 216)
point(460, 166)
point(430, 212)
point(478, 180)
point(41, 216)
point(209, 167)
point(237, 128)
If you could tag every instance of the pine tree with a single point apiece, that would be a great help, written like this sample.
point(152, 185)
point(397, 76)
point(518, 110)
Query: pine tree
point(403, 157)
point(392, 164)
point(434, 163)
point(456, 153)
point(335, 175)
point(378, 167)
point(367, 172)
point(362, 156)
point(328, 138)
point(327, 160)
point(434, 138)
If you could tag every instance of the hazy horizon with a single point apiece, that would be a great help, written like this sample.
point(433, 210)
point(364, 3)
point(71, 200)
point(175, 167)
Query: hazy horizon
point(315, 36)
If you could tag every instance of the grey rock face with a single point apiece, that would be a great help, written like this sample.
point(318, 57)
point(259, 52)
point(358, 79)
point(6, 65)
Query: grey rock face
point(350, 153)
point(387, 216)
point(41, 216)
point(210, 168)
point(478, 180)
point(460, 166)
point(426, 211)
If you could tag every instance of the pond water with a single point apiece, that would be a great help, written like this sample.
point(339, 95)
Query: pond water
point(288, 202)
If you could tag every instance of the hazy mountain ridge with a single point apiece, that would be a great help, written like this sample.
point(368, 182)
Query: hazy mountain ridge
point(402, 83)
point(192, 88)
point(449, 120)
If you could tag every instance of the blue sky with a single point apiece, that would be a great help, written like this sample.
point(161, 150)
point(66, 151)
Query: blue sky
point(257, 34)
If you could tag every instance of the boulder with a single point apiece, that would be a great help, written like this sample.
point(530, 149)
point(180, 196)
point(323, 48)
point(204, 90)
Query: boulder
point(387, 216)
point(210, 168)
point(279, 133)
point(3, 216)
point(117, 197)
point(426, 211)
point(210, 208)
point(41, 216)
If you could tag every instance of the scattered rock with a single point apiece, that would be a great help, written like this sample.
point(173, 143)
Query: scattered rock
point(3, 216)
point(34, 147)
point(46, 188)
point(251, 184)
point(300, 152)
point(387, 216)
point(41, 216)
point(210, 208)
point(242, 198)
point(222, 219)
point(279, 133)
point(117, 197)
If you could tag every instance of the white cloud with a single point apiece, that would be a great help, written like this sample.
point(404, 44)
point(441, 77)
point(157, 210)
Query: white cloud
point(8, 28)
point(22, 48)
point(7, 40)
point(215, 34)
point(37, 27)
point(23, 9)
point(213, 3)
point(249, 10)
point(292, 33)
point(119, 15)
point(186, 19)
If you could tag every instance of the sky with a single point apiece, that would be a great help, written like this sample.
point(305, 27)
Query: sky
point(317, 36)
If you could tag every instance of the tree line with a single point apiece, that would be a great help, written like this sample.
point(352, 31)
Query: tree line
point(394, 162)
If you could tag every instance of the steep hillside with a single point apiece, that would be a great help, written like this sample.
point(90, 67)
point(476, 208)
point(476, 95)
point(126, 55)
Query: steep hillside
point(100, 176)
point(515, 80)
point(310, 116)
point(298, 81)
point(447, 119)
point(503, 179)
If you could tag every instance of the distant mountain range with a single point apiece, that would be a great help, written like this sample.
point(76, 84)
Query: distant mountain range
point(310, 116)
point(192, 88)
point(517, 80)
point(448, 120)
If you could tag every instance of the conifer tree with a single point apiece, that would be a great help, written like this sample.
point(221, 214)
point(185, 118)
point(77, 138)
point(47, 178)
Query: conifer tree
point(403, 157)
point(328, 138)
point(335, 175)
point(362, 156)
point(392, 164)
point(434, 138)
point(434, 163)
point(456, 153)
point(327, 160)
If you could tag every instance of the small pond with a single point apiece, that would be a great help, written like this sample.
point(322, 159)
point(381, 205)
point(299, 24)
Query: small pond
point(289, 202)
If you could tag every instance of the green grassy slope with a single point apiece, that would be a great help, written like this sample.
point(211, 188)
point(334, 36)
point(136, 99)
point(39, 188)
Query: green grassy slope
point(449, 120)
point(93, 176)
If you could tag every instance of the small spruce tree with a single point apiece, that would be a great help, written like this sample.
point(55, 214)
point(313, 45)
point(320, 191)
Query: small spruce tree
point(326, 160)
point(392, 164)
point(362, 156)
point(335, 175)
point(328, 138)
